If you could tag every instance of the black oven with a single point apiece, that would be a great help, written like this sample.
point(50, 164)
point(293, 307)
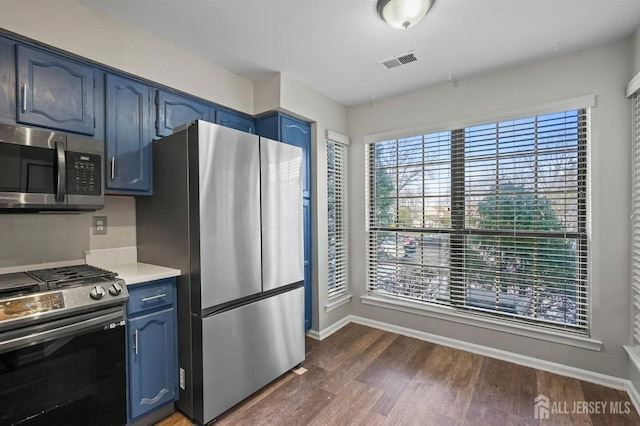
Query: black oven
point(69, 371)
point(42, 170)
point(62, 347)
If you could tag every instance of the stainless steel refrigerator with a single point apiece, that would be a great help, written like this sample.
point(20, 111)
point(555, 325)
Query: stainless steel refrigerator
point(227, 211)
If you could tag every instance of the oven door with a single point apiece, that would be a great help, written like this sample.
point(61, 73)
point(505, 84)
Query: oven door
point(63, 372)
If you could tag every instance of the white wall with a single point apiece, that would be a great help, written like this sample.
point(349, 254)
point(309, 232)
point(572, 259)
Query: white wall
point(27, 239)
point(636, 51)
point(285, 94)
point(69, 25)
point(602, 71)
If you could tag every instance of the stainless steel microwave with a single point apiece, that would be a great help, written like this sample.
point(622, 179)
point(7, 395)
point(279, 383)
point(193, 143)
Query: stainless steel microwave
point(42, 170)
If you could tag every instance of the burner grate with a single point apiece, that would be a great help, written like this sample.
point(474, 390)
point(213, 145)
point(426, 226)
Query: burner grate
point(67, 274)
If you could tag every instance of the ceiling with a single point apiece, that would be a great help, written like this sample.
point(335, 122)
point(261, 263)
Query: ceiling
point(334, 46)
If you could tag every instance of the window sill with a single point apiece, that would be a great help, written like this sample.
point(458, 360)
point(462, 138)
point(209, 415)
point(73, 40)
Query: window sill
point(449, 314)
point(335, 304)
point(632, 351)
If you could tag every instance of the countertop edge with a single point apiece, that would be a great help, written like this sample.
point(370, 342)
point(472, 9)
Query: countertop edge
point(138, 273)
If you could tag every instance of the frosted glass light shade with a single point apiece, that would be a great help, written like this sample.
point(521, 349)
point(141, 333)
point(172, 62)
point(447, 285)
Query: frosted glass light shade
point(403, 14)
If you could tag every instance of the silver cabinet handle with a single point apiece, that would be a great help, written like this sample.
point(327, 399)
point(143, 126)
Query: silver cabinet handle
point(24, 96)
point(113, 168)
point(135, 341)
point(157, 296)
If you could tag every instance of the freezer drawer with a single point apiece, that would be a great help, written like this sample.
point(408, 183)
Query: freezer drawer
point(246, 348)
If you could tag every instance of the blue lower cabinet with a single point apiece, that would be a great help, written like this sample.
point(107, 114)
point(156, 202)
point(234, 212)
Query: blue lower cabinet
point(152, 347)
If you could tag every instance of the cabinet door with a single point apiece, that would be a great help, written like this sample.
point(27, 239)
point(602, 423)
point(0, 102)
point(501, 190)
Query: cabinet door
point(151, 361)
point(127, 136)
point(175, 110)
point(235, 121)
point(306, 214)
point(297, 133)
point(54, 92)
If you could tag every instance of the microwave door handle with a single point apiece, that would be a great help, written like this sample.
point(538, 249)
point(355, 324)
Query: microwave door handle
point(61, 190)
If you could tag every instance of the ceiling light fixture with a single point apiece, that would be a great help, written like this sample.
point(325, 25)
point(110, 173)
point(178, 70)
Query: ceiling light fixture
point(403, 14)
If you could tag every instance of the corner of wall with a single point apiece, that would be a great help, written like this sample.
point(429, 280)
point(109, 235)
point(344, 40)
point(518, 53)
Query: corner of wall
point(266, 94)
point(636, 51)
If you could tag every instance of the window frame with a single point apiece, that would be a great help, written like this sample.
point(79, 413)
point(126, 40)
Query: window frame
point(459, 231)
point(337, 235)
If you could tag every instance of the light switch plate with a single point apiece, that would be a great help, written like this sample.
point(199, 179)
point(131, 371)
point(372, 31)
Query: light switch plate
point(99, 225)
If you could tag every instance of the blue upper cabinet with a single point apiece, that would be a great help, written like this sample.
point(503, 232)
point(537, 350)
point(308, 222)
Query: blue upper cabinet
point(127, 136)
point(175, 110)
point(54, 92)
point(294, 132)
point(298, 133)
point(235, 121)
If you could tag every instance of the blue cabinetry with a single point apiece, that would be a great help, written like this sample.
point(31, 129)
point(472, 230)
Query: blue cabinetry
point(152, 347)
point(127, 136)
point(45, 88)
point(175, 110)
point(295, 132)
point(54, 92)
point(235, 121)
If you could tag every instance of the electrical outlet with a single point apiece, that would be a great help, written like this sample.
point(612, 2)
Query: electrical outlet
point(99, 225)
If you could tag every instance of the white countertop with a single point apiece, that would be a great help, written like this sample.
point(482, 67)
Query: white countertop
point(135, 273)
point(124, 261)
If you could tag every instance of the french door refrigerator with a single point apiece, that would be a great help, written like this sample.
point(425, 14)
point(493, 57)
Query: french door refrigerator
point(227, 211)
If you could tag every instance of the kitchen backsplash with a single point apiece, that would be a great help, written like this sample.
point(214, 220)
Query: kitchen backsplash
point(27, 239)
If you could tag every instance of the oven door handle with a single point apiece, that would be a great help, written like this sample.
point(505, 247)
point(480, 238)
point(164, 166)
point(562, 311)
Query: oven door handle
point(27, 338)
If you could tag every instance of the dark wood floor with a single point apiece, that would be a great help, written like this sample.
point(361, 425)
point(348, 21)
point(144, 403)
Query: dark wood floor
point(364, 376)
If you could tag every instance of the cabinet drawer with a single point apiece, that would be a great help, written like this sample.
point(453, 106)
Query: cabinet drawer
point(154, 295)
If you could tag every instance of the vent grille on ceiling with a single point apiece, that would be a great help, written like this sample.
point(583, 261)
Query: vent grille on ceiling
point(396, 61)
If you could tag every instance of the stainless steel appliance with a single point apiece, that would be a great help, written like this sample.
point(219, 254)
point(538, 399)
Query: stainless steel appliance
point(62, 347)
point(227, 211)
point(42, 170)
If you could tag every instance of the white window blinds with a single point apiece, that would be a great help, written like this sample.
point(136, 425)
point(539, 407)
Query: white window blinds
point(635, 200)
point(337, 218)
point(489, 219)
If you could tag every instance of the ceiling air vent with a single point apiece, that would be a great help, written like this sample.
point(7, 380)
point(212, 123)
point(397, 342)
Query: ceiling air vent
point(396, 61)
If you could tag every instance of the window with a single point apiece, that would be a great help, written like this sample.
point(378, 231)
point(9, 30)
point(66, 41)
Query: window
point(488, 219)
point(635, 205)
point(337, 219)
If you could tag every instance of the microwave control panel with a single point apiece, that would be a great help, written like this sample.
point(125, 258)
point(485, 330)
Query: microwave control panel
point(84, 174)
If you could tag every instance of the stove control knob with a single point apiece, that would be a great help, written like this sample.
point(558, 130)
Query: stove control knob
point(115, 289)
point(97, 292)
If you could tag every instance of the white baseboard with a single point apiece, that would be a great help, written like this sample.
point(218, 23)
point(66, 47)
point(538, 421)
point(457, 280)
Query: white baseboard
point(634, 396)
point(527, 361)
point(323, 334)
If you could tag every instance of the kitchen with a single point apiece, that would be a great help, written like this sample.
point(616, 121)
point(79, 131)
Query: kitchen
point(28, 239)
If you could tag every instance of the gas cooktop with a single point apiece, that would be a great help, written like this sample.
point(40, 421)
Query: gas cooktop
point(53, 292)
